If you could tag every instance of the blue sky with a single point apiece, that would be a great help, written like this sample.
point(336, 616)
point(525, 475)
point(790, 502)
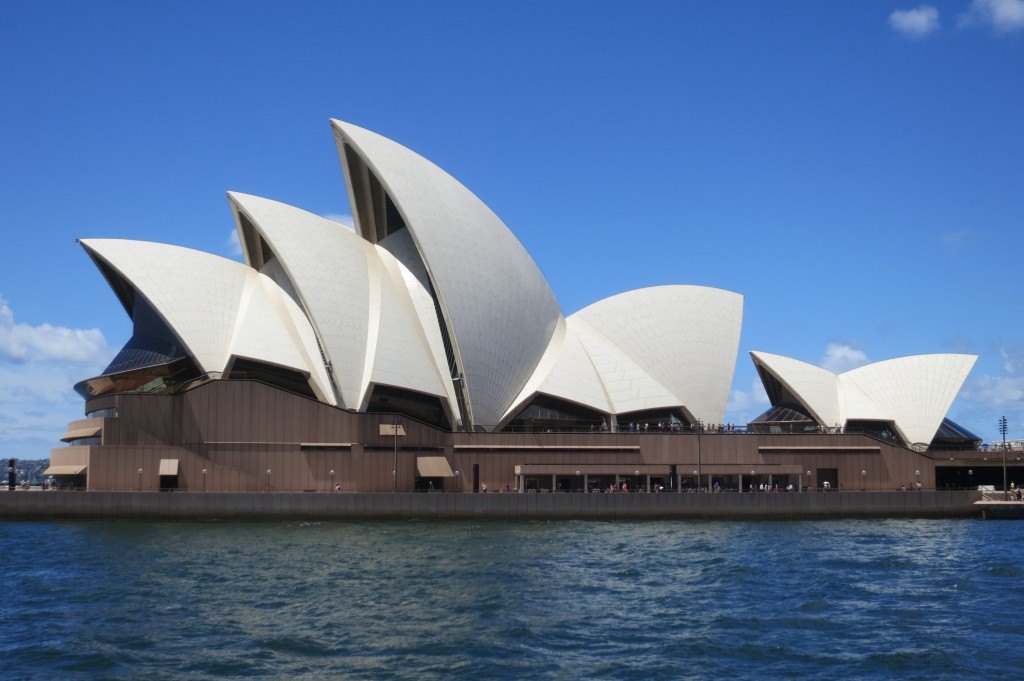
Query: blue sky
point(854, 169)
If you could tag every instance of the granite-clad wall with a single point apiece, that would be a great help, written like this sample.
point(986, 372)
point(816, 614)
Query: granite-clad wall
point(513, 507)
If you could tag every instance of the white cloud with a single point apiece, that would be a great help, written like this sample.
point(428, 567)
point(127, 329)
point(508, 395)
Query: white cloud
point(39, 366)
point(24, 387)
point(915, 23)
point(840, 357)
point(988, 396)
point(996, 391)
point(37, 401)
point(1009, 361)
point(746, 405)
point(234, 245)
point(24, 342)
point(1002, 15)
point(341, 218)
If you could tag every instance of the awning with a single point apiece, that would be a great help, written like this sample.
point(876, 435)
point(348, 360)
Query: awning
point(168, 466)
point(80, 433)
point(433, 467)
point(77, 469)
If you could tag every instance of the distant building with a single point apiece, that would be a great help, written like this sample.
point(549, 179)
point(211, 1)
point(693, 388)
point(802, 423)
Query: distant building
point(1009, 445)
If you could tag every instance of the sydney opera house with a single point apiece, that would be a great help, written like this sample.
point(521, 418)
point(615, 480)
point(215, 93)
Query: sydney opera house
point(424, 350)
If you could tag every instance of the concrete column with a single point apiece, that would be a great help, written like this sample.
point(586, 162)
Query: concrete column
point(553, 477)
point(616, 482)
point(648, 483)
point(586, 483)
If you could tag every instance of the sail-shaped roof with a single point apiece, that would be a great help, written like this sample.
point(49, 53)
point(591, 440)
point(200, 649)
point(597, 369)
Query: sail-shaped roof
point(430, 294)
point(498, 311)
point(218, 308)
point(913, 393)
point(652, 348)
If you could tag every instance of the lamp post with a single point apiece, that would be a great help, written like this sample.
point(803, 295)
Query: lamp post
point(204, 479)
point(458, 480)
point(577, 479)
point(636, 480)
point(696, 478)
point(700, 427)
point(1002, 430)
point(809, 485)
point(394, 470)
point(140, 479)
point(333, 488)
point(268, 479)
point(970, 479)
point(917, 480)
point(752, 474)
point(863, 476)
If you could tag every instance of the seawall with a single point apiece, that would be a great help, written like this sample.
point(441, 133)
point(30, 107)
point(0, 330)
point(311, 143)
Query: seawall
point(211, 506)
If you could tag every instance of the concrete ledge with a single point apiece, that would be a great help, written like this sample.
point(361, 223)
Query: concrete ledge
point(208, 506)
point(1001, 510)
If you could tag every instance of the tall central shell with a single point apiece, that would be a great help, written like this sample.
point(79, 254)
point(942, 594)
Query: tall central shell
point(495, 307)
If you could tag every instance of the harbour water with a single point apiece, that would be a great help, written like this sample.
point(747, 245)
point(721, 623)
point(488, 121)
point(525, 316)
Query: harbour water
point(913, 599)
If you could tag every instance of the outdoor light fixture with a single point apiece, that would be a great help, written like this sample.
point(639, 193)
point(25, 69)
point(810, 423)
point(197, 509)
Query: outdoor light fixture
point(1002, 429)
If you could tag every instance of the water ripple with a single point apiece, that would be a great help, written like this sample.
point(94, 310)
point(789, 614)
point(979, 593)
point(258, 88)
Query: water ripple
point(403, 600)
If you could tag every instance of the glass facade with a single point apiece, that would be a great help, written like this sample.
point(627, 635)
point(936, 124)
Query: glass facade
point(287, 379)
point(386, 399)
point(654, 419)
point(783, 419)
point(954, 436)
point(151, 344)
point(101, 413)
point(551, 414)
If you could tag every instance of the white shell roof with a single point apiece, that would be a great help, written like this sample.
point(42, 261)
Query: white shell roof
point(500, 312)
point(356, 309)
point(685, 337)
point(665, 346)
point(218, 308)
point(816, 388)
point(405, 353)
point(627, 385)
point(357, 298)
point(915, 392)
